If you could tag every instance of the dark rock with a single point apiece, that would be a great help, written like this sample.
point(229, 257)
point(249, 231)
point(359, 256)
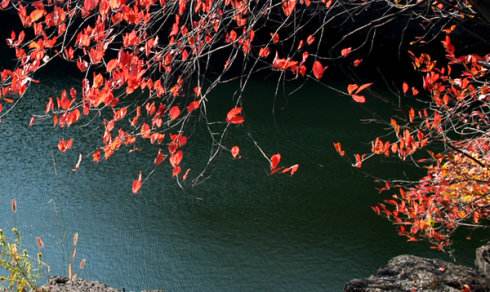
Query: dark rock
point(412, 273)
point(482, 261)
point(58, 280)
point(63, 284)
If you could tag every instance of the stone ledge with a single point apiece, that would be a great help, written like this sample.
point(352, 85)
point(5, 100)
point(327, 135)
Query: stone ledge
point(63, 284)
point(411, 273)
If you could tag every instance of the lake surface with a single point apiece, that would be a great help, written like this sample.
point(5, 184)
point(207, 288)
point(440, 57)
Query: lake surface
point(240, 230)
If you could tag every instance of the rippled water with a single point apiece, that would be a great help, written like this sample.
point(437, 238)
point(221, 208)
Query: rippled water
point(241, 230)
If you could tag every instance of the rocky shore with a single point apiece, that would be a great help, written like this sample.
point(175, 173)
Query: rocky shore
point(402, 273)
point(63, 284)
point(411, 273)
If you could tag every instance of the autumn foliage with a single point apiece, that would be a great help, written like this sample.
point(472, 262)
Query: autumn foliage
point(148, 67)
point(450, 138)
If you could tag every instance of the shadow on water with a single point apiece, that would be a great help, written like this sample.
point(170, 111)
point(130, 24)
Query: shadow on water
point(240, 230)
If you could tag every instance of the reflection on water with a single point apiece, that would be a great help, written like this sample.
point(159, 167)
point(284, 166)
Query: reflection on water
point(240, 230)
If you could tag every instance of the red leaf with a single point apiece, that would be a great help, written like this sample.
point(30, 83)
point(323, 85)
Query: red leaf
point(264, 52)
point(137, 183)
point(36, 14)
point(351, 88)
point(114, 4)
point(145, 131)
point(275, 160)
point(197, 90)
point(111, 65)
point(234, 116)
point(359, 98)
point(65, 145)
point(275, 38)
point(411, 115)
point(235, 151)
point(4, 4)
point(338, 148)
point(284, 64)
point(193, 105)
point(310, 39)
point(288, 6)
point(415, 91)
point(176, 170)
point(292, 169)
point(405, 87)
point(174, 112)
point(318, 70)
point(176, 158)
point(82, 65)
point(359, 159)
point(345, 52)
point(159, 158)
point(354, 90)
point(363, 87)
point(49, 105)
point(96, 156)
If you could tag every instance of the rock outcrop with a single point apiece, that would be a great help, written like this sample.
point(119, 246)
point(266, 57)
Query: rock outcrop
point(411, 273)
point(482, 261)
point(63, 284)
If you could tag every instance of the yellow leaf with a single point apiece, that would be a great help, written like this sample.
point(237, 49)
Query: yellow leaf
point(37, 14)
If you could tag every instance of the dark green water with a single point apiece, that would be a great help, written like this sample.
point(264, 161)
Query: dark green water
point(241, 230)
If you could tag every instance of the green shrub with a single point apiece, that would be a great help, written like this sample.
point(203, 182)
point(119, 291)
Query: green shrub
point(18, 271)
